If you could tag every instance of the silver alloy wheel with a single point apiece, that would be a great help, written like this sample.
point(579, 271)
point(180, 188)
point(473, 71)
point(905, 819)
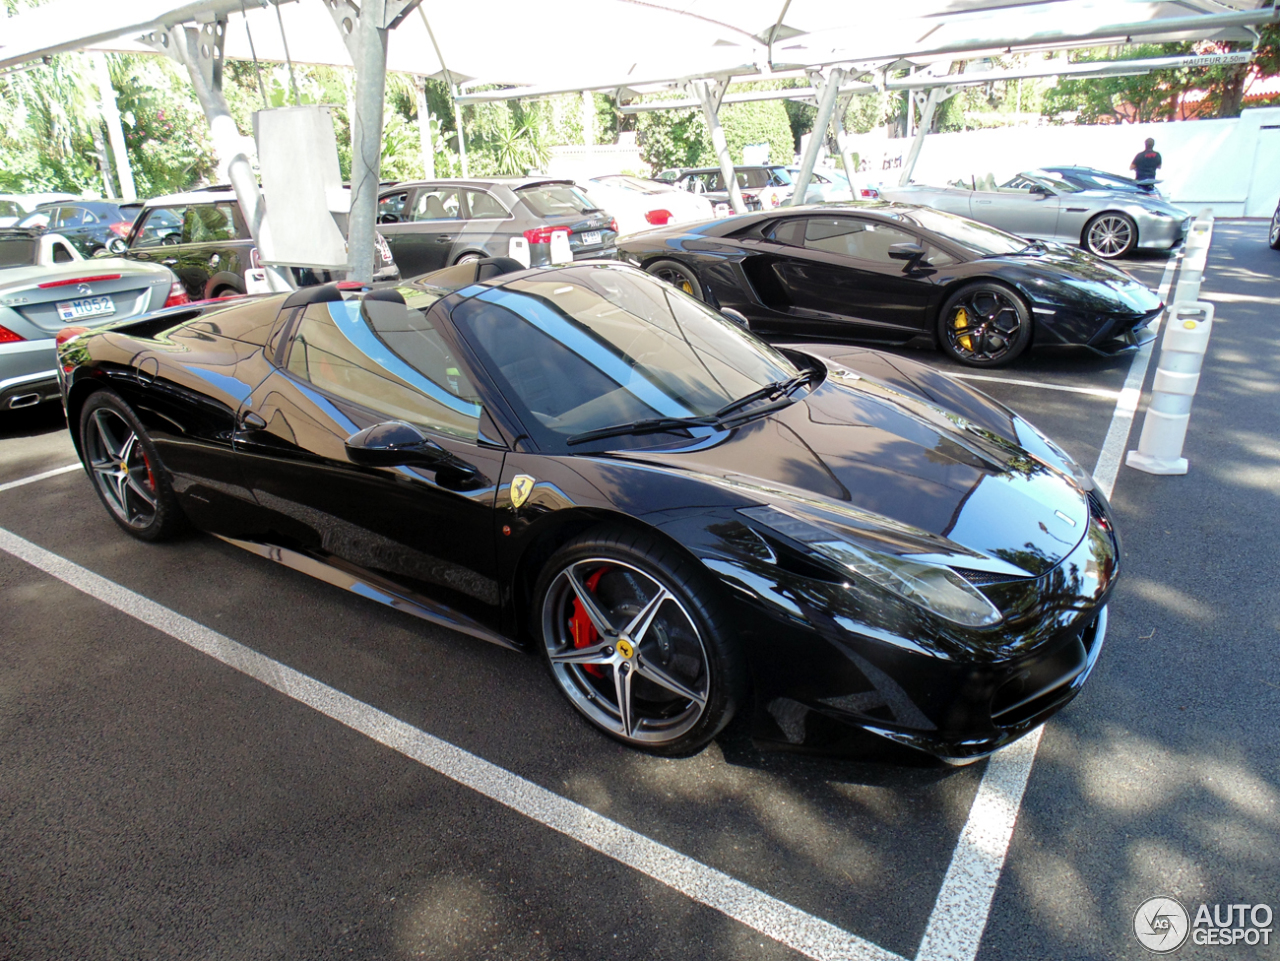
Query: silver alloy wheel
point(120, 468)
point(1110, 235)
point(984, 327)
point(642, 671)
point(1274, 238)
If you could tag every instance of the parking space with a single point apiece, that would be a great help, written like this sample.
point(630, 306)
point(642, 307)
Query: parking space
point(160, 803)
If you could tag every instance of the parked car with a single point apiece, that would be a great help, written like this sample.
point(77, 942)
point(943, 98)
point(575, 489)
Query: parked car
point(203, 238)
point(1274, 235)
point(45, 285)
point(829, 186)
point(584, 464)
point(90, 225)
point(761, 186)
point(901, 274)
point(431, 225)
point(15, 207)
point(1091, 178)
point(638, 204)
point(1108, 223)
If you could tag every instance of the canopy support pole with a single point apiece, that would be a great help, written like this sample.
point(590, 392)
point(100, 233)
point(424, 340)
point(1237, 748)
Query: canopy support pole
point(829, 92)
point(710, 94)
point(115, 132)
point(366, 139)
point(847, 158)
point(936, 96)
point(453, 93)
point(200, 51)
point(424, 132)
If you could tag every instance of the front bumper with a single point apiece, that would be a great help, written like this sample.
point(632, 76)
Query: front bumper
point(1162, 233)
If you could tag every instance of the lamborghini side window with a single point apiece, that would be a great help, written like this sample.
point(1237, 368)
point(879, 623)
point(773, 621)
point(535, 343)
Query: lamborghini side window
point(861, 239)
point(387, 358)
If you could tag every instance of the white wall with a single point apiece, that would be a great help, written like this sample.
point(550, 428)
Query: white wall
point(1225, 164)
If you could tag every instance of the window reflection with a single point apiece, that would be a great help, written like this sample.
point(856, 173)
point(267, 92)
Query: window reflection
point(388, 358)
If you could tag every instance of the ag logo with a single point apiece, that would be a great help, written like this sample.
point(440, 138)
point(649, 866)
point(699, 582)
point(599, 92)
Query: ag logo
point(1161, 924)
point(521, 488)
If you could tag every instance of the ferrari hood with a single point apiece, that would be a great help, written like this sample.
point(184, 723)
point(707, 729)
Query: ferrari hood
point(858, 452)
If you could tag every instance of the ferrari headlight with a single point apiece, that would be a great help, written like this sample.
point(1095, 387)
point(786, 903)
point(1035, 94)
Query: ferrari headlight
point(934, 587)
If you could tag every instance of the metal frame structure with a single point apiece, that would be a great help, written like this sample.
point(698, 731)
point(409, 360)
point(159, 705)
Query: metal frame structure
point(845, 54)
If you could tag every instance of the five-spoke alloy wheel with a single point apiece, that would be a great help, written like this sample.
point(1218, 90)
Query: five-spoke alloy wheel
point(984, 325)
point(1111, 235)
point(634, 649)
point(126, 469)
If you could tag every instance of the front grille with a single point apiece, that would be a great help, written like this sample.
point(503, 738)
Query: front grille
point(1041, 685)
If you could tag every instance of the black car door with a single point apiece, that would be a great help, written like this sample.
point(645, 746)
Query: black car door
point(429, 531)
point(836, 274)
point(74, 224)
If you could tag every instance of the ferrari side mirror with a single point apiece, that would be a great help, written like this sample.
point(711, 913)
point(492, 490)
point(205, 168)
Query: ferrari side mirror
point(393, 444)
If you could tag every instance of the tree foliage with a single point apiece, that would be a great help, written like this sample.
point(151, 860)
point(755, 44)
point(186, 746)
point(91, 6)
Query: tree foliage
point(680, 138)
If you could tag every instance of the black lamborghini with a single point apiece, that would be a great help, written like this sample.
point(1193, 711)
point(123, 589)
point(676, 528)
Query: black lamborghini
point(587, 463)
point(901, 274)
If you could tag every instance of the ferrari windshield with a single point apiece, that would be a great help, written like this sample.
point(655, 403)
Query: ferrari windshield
point(977, 238)
point(588, 347)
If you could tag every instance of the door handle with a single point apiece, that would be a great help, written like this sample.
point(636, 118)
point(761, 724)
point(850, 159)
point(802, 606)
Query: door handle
point(444, 236)
point(982, 201)
point(252, 421)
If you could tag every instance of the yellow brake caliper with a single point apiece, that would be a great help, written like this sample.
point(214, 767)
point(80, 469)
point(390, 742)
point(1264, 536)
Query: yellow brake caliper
point(961, 322)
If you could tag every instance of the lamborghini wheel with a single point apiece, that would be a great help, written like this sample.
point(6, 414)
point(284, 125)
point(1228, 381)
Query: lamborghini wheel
point(677, 275)
point(984, 325)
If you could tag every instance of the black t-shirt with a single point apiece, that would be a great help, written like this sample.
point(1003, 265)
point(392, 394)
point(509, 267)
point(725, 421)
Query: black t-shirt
point(1145, 164)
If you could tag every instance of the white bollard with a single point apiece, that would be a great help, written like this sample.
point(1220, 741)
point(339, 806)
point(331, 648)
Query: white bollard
point(1186, 339)
point(1195, 254)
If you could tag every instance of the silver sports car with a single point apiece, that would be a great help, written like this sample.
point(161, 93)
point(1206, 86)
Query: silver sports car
point(45, 287)
point(1040, 206)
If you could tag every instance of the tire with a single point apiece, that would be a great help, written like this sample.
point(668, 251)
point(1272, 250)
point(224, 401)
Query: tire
point(678, 275)
point(1001, 331)
point(468, 259)
point(1273, 239)
point(126, 470)
point(94, 251)
point(1110, 235)
point(689, 676)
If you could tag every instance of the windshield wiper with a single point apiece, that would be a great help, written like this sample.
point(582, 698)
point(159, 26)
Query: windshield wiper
point(655, 425)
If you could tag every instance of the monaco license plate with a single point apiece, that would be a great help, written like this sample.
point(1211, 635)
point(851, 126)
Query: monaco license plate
point(85, 307)
point(590, 238)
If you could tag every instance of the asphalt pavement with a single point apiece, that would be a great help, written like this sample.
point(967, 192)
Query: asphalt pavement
point(156, 803)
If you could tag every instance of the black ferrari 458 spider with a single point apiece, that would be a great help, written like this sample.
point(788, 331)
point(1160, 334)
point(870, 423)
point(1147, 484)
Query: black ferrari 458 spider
point(587, 463)
point(901, 274)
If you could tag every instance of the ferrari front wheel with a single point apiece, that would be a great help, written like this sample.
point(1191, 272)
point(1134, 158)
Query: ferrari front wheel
point(677, 275)
point(984, 325)
point(636, 642)
point(126, 469)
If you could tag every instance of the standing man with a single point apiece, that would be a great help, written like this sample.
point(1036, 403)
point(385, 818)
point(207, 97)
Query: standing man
point(1146, 164)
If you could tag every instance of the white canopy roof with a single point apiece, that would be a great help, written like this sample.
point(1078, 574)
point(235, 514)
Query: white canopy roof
point(600, 44)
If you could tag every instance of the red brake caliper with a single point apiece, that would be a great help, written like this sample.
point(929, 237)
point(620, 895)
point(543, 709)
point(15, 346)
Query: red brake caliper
point(580, 626)
point(151, 478)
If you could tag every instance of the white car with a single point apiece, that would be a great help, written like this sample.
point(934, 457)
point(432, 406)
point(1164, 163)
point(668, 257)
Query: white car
point(46, 287)
point(828, 185)
point(638, 204)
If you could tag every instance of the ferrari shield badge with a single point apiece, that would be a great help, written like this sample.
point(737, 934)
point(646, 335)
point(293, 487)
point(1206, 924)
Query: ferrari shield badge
point(521, 488)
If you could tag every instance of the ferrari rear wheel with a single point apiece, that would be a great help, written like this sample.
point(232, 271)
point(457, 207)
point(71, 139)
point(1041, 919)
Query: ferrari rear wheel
point(984, 325)
point(1111, 235)
point(636, 642)
point(678, 275)
point(126, 469)
point(1274, 237)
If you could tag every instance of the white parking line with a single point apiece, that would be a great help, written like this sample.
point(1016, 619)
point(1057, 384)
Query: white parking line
point(1094, 391)
point(39, 477)
point(960, 914)
point(788, 925)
